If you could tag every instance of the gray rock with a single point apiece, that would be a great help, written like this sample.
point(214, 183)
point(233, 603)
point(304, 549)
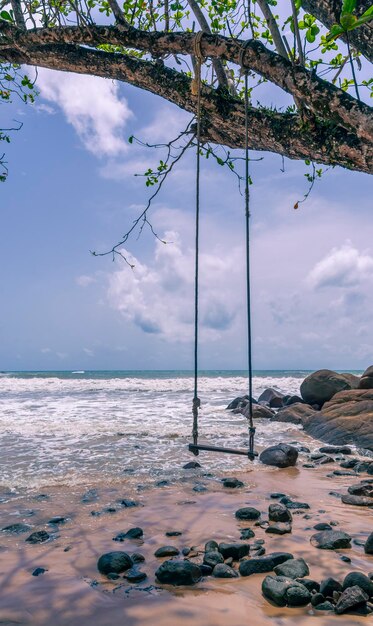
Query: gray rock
point(279, 513)
point(210, 546)
point(133, 533)
point(329, 586)
point(292, 400)
point(357, 500)
point(134, 575)
point(291, 504)
point(280, 455)
point(127, 504)
point(239, 402)
point(40, 536)
point(222, 570)
point(351, 598)
point(178, 573)
point(298, 413)
point(294, 568)
point(321, 386)
point(312, 585)
point(263, 564)
point(232, 483)
point(331, 540)
point(362, 489)
point(366, 380)
point(358, 579)
point(16, 529)
point(234, 550)
point(192, 465)
point(213, 558)
point(325, 606)
point(38, 571)
point(259, 411)
point(284, 591)
point(322, 526)
point(173, 533)
point(336, 450)
point(273, 397)
point(57, 519)
point(200, 488)
point(298, 595)
point(137, 557)
point(317, 599)
point(368, 546)
point(247, 513)
point(247, 533)
point(166, 551)
point(116, 562)
point(279, 528)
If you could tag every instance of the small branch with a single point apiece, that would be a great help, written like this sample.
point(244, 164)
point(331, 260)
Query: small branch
point(273, 28)
point(352, 67)
point(117, 12)
point(297, 33)
point(18, 14)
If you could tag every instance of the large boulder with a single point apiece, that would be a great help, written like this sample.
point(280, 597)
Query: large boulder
point(321, 386)
point(298, 413)
point(280, 455)
point(366, 381)
point(346, 419)
point(273, 397)
point(259, 411)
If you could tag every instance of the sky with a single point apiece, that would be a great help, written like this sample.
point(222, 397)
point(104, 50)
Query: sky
point(72, 188)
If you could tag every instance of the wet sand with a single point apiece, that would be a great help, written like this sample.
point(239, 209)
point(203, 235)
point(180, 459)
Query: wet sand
point(73, 593)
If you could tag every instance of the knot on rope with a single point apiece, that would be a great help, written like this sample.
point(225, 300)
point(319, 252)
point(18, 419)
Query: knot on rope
point(196, 403)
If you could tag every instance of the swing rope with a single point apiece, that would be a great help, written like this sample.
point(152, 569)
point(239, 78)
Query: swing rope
point(196, 89)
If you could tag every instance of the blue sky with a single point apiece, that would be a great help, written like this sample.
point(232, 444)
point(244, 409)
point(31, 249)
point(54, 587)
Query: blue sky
point(71, 189)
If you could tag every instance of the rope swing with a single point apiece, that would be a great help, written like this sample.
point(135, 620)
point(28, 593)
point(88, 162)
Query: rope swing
point(196, 90)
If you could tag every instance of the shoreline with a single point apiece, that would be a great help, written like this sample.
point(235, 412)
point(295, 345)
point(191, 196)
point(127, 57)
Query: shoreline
point(73, 592)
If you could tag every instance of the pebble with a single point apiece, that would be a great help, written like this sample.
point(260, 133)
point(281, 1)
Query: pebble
point(247, 513)
point(222, 570)
point(57, 519)
point(210, 546)
point(114, 562)
point(192, 465)
point(166, 551)
point(263, 564)
point(200, 488)
point(213, 558)
point(232, 483)
point(293, 568)
point(331, 540)
point(173, 533)
point(178, 573)
point(137, 557)
point(134, 575)
point(40, 536)
point(38, 571)
point(234, 550)
point(16, 529)
point(247, 533)
point(278, 529)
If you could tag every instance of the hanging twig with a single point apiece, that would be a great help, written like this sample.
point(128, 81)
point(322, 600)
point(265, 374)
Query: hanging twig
point(352, 66)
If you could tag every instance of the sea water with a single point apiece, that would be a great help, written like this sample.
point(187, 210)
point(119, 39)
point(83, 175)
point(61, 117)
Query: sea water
point(61, 428)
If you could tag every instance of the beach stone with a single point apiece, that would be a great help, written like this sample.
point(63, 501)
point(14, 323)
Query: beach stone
point(291, 504)
point(284, 591)
point(206, 570)
point(16, 529)
point(366, 380)
point(112, 576)
point(329, 586)
point(331, 540)
point(247, 513)
point(312, 585)
point(222, 570)
point(335, 450)
point(213, 558)
point(317, 599)
point(358, 579)
point(361, 489)
point(345, 419)
point(134, 575)
point(345, 559)
point(137, 557)
point(298, 595)
point(116, 562)
point(322, 526)
point(280, 455)
point(90, 496)
point(349, 464)
point(57, 519)
point(173, 533)
point(178, 573)
point(200, 488)
point(294, 568)
point(322, 385)
point(212, 545)
point(232, 483)
point(357, 500)
point(292, 400)
point(259, 411)
point(247, 533)
point(128, 504)
point(297, 413)
point(325, 460)
point(342, 473)
point(279, 528)
point(38, 571)
point(240, 402)
point(279, 513)
point(351, 598)
point(325, 606)
point(263, 564)
point(277, 496)
point(234, 550)
point(166, 551)
point(273, 397)
point(40, 536)
point(41, 497)
point(368, 546)
point(192, 465)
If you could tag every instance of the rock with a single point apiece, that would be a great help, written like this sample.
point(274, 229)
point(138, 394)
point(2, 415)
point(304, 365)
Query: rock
point(263, 564)
point(279, 528)
point(133, 533)
point(222, 570)
point(291, 504)
point(351, 598)
point(166, 551)
point(128, 504)
point(294, 568)
point(38, 571)
point(173, 533)
point(277, 495)
point(134, 575)
point(331, 540)
point(200, 488)
point(232, 483)
point(329, 586)
point(213, 558)
point(364, 466)
point(325, 606)
point(259, 411)
point(349, 464)
point(90, 496)
point(368, 547)
point(322, 526)
point(357, 500)
point(366, 380)
point(342, 473)
point(280, 455)
point(298, 413)
point(284, 591)
point(345, 419)
point(116, 562)
point(247, 513)
point(16, 529)
point(345, 559)
point(112, 576)
point(361, 489)
point(211, 546)
point(279, 513)
point(336, 450)
point(192, 465)
point(234, 550)
point(292, 400)
point(321, 386)
point(357, 578)
point(57, 519)
point(311, 585)
point(239, 402)
point(137, 557)
point(40, 536)
point(206, 570)
point(247, 533)
point(273, 397)
point(317, 599)
point(178, 573)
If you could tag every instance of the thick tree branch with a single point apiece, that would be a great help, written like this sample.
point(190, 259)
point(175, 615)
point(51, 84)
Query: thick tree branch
point(328, 12)
point(223, 115)
point(325, 100)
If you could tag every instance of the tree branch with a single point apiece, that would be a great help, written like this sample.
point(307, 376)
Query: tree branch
point(273, 27)
point(322, 98)
point(18, 14)
point(223, 115)
point(117, 12)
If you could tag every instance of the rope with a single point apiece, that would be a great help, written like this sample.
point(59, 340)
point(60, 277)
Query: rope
point(248, 286)
point(196, 401)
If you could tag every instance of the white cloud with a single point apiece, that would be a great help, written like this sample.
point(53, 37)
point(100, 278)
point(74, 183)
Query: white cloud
point(341, 267)
point(92, 105)
point(84, 281)
point(88, 352)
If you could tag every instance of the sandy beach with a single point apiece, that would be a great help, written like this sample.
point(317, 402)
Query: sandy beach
point(72, 592)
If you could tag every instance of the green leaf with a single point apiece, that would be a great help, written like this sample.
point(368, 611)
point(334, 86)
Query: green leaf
point(348, 6)
point(363, 20)
point(368, 12)
point(348, 21)
point(335, 31)
point(6, 16)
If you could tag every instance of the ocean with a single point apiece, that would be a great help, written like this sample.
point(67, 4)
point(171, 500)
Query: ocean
point(71, 428)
